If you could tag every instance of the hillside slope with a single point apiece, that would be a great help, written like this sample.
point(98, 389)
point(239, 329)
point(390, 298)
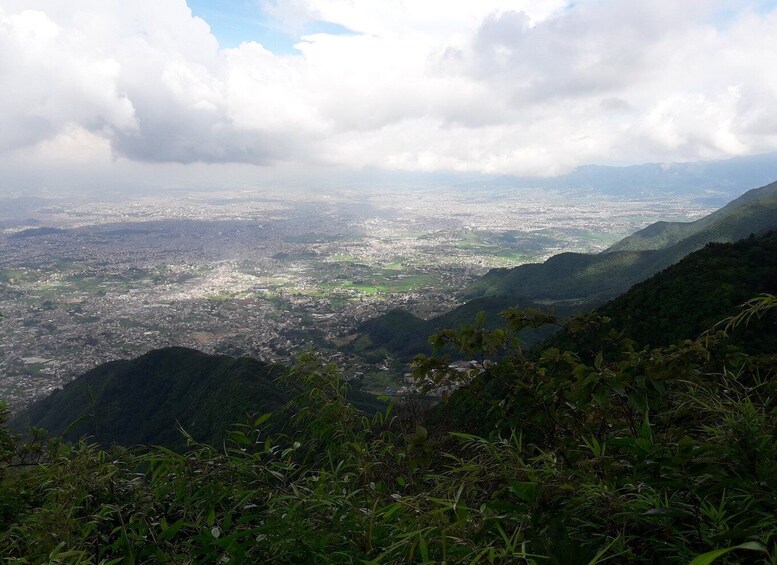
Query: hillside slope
point(665, 234)
point(402, 335)
point(573, 282)
point(692, 295)
point(584, 277)
point(678, 303)
point(144, 400)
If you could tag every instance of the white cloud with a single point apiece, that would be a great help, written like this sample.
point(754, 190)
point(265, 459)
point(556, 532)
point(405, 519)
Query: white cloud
point(532, 87)
point(50, 80)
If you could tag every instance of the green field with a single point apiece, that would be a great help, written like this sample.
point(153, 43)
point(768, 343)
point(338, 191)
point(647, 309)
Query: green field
point(18, 276)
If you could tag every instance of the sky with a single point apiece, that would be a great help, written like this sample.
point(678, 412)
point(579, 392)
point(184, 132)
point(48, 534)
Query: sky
point(110, 93)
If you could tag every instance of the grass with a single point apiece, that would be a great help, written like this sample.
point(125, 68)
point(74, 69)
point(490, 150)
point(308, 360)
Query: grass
point(18, 276)
point(314, 238)
point(86, 284)
point(509, 258)
point(385, 282)
point(35, 369)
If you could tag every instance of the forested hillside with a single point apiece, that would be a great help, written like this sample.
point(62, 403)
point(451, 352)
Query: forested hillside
point(403, 335)
point(682, 302)
point(152, 399)
point(146, 400)
point(576, 276)
point(691, 296)
point(665, 234)
point(575, 282)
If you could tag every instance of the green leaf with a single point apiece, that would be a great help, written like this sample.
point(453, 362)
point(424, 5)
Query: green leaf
point(526, 491)
point(638, 402)
point(424, 549)
point(240, 438)
point(391, 510)
point(551, 354)
point(710, 556)
point(461, 435)
point(75, 423)
point(420, 435)
point(667, 512)
point(262, 419)
point(600, 395)
point(169, 532)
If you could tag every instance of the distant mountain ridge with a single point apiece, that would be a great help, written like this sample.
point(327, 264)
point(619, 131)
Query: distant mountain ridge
point(572, 282)
point(729, 176)
point(713, 182)
point(597, 277)
point(664, 234)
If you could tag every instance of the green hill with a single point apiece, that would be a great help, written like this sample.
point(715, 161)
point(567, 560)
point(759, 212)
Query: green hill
point(661, 235)
point(678, 303)
point(689, 297)
point(144, 400)
point(584, 277)
point(403, 335)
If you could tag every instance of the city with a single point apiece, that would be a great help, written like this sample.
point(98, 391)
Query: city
point(263, 275)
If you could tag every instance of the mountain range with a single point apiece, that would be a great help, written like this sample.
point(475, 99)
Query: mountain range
point(713, 182)
point(596, 277)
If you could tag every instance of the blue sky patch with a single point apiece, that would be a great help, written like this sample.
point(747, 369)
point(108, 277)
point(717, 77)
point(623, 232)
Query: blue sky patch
point(236, 21)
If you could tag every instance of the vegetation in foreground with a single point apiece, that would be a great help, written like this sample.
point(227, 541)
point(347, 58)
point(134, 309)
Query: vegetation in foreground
point(615, 453)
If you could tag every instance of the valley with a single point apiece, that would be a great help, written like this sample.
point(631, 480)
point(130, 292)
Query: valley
point(264, 274)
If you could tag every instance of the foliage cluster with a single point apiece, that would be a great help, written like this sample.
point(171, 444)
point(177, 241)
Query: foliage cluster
point(690, 296)
point(584, 454)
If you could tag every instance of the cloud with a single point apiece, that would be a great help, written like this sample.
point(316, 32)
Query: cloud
point(502, 86)
point(50, 80)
